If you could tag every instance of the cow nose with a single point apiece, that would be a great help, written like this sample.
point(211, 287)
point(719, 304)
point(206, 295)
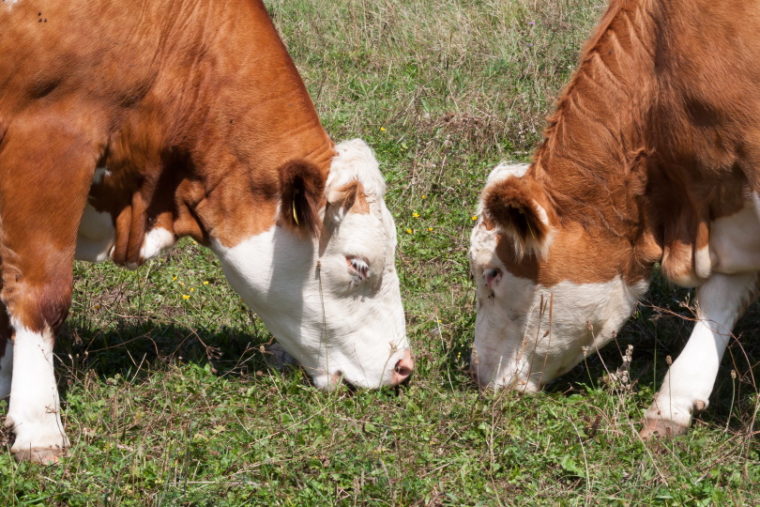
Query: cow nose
point(403, 368)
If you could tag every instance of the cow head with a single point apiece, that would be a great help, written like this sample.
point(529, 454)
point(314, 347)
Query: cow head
point(549, 290)
point(324, 278)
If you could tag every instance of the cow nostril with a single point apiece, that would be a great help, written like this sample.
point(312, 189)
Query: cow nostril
point(492, 276)
point(402, 369)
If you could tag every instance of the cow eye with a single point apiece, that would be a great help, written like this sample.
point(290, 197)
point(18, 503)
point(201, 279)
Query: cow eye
point(358, 267)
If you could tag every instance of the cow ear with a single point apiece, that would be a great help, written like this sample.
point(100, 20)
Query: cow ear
point(302, 189)
point(513, 206)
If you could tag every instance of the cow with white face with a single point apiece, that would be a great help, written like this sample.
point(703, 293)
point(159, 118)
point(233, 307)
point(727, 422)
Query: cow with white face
point(332, 300)
point(325, 285)
point(199, 127)
point(647, 160)
point(547, 295)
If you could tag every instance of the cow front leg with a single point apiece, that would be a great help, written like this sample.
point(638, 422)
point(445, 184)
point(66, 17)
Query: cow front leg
point(46, 165)
point(34, 412)
point(689, 381)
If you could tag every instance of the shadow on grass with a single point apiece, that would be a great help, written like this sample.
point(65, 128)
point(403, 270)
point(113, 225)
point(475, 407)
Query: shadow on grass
point(134, 348)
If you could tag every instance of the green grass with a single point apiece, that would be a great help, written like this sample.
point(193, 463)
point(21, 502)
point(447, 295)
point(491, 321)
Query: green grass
point(168, 399)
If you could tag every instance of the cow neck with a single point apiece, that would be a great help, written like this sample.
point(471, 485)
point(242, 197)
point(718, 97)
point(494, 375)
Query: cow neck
point(203, 147)
point(593, 159)
point(590, 159)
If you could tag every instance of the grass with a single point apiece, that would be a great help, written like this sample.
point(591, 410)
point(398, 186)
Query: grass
point(167, 395)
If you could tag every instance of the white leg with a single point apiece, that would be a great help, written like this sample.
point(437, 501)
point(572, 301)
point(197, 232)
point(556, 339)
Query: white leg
point(6, 369)
point(34, 410)
point(689, 382)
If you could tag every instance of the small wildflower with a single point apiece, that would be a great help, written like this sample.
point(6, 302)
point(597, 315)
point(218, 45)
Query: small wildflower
point(409, 231)
point(192, 289)
point(430, 229)
point(416, 215)
point(205, 282)
point(474, 217)
point(185, 296)
point(424, 196)
point(174, 279)
point(382, 129)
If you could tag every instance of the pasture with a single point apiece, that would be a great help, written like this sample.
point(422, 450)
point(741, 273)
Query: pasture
point(167, 394)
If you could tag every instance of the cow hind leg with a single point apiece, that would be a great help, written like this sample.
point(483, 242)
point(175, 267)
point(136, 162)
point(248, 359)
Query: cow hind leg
point(689, 381)
point(43, 191)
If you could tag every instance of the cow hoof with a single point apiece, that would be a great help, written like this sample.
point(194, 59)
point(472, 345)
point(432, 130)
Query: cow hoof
point(661, 428)
point(40, 455)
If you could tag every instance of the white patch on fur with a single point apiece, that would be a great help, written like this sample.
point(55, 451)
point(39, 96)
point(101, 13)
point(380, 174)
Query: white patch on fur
point(690, 379)
point(6, 370)
point(34, 409)
point(354, 161)
point(505, 170)
point(333, 322)
point(156, 240)
point(735, 241)
point(96, 236)
point(702, 262)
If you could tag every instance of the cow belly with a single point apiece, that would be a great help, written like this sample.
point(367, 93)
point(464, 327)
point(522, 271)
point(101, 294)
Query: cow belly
point(95, 237)
point(735, 240)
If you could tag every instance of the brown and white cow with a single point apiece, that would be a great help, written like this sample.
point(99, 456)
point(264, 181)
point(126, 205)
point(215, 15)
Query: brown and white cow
point(201, 127)
point(653, 155)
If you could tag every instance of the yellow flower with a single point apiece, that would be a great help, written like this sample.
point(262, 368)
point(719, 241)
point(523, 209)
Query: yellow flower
point(474, 217)
point(424, 196)
point(382, 129)
point(174, 279)
point(205, 282)
point(430, 229)
point(409, 231)
point(192, 289)
point(185, 296)
point(416, 215)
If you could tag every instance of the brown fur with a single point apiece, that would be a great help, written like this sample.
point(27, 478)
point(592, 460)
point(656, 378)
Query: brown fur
point(654, 136)
point(353, 198)
point(194, 106)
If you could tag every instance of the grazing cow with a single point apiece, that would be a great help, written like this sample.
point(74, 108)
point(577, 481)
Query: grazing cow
point(202, 127)
point(652, 156)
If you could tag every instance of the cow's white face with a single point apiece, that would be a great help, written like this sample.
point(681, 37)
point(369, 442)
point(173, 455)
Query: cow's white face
point(549, 293)
point(332, 302)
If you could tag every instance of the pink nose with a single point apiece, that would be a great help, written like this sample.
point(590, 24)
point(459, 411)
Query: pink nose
point(403, 368)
